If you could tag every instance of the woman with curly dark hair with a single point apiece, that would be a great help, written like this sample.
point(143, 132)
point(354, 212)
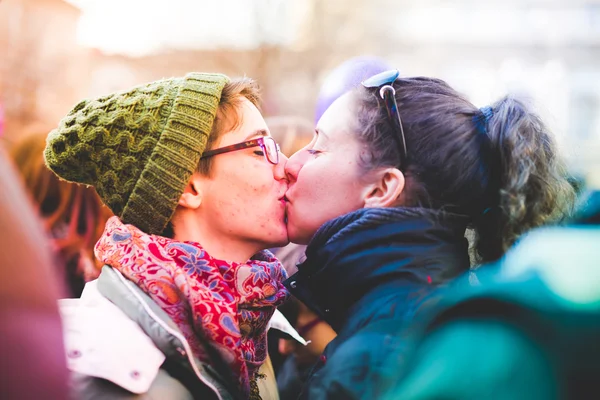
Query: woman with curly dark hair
point(398, 170)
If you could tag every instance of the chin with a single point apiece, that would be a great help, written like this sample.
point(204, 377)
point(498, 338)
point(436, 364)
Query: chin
point(274, 243)
point(279, 237)
point(298, 233)
point(282, 243)
point(297, 236)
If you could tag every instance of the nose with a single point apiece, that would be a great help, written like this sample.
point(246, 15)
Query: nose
point(294, 165)
point(279, 170)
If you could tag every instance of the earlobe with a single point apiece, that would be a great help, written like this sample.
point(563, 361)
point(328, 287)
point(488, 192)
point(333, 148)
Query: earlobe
point(386, 189)
point(192, 195)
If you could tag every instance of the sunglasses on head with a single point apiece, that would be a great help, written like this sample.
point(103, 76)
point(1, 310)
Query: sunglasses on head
point(384, 82)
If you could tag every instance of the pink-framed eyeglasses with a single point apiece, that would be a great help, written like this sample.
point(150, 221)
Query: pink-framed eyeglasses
point(268, 145)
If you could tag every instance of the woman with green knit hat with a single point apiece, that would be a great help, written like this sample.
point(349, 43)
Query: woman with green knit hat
point(197, 186)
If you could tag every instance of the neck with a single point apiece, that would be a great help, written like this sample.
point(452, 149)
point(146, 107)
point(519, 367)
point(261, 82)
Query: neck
point(218, 244)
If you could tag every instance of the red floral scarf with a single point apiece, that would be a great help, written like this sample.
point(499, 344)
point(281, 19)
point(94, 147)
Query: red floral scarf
point(227, 303)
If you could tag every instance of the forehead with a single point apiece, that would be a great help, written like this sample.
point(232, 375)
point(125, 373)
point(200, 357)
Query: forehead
point(248, 119)
point(338, 118)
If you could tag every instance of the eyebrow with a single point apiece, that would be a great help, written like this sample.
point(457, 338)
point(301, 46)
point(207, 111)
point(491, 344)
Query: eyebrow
point(260, 132)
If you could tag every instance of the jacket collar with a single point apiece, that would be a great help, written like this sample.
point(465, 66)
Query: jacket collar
point(155, 323)
point(358, 263)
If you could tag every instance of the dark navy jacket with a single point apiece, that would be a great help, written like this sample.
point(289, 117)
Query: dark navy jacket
point(366, 273)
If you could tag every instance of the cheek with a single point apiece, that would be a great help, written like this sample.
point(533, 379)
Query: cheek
point(328, 178)
point(232, 190)
point(330, 189)
point(253, 191)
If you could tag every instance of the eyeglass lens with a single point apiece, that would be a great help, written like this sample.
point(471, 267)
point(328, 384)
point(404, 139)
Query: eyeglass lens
point(271, 150)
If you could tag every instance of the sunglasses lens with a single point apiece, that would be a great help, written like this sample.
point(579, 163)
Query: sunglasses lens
point(383, 78)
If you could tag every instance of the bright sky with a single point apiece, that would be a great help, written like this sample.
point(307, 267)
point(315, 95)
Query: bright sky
point(138, 27)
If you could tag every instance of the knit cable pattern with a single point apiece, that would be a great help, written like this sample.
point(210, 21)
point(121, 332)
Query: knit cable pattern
point(138, 148)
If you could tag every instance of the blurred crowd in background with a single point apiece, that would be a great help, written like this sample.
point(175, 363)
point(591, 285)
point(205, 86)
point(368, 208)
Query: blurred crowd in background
point(55, 52)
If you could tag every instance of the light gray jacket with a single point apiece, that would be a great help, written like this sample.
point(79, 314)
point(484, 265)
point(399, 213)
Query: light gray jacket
point(121, 345)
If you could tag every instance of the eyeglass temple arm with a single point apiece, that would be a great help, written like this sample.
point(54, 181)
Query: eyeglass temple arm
point(388, 94)
point(233, 147)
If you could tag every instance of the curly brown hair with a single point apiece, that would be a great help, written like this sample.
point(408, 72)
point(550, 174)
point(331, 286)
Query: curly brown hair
point(501, 169)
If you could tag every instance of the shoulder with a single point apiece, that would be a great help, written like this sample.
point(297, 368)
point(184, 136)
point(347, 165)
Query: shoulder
point(510, 365)
point(101, 341)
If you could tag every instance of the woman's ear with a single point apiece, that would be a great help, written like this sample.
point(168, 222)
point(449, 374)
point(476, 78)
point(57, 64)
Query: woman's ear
point(387, 186)
point(192, 195)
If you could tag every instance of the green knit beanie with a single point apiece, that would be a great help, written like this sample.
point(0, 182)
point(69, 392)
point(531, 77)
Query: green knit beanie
point(138, 148)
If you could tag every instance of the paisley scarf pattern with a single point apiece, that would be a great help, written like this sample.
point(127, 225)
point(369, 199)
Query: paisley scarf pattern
point(226, 303)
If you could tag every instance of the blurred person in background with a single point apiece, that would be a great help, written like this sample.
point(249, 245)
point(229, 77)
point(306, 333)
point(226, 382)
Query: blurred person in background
point(196, 183)
point(397, 171)
point(292, 133)
point(32, 365)
point(345, 77)
point(73, 215)
point(531, 328)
